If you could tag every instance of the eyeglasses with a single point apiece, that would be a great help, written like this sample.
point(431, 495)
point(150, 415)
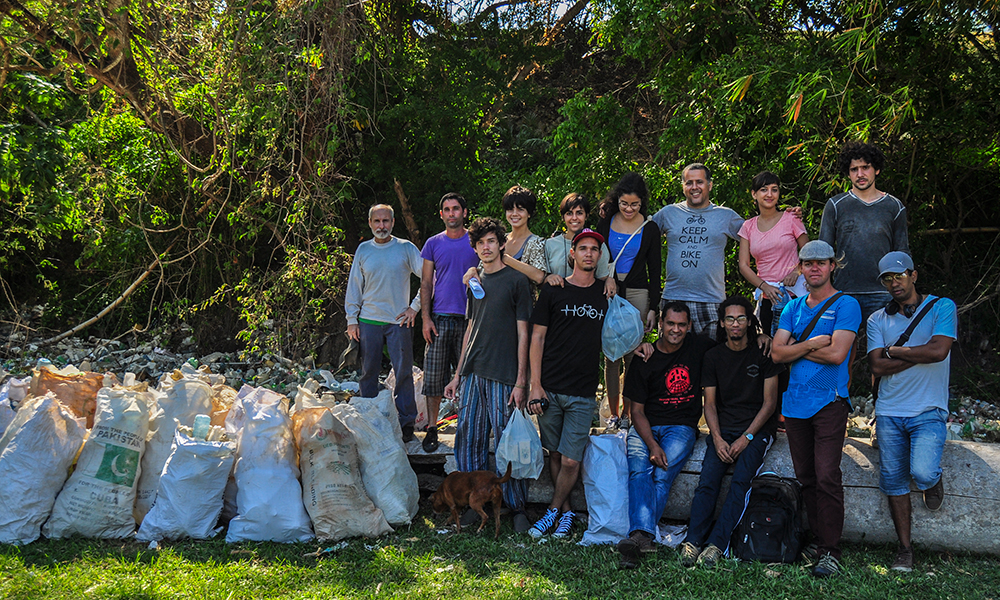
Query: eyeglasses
point(632, 205)
point(888, 278)
point(729, 320)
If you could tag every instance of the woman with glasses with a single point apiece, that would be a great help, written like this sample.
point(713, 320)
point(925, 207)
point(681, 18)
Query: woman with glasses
point(634, 242)
point(773, 239)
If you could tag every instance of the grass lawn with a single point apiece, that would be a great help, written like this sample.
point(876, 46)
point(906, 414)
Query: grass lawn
point(419, 562)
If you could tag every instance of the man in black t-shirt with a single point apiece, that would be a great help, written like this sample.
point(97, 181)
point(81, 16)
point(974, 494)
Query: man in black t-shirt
point(565, 348)
point(666, 404)
point(741, 393)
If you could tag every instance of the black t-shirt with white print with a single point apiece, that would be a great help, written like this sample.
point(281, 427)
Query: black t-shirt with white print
point(669, 385)
point(574, 317)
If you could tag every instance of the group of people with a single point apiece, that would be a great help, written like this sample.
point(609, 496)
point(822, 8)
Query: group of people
point(514, 321)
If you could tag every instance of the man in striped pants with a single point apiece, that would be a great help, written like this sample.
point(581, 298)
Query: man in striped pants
point(493, 362)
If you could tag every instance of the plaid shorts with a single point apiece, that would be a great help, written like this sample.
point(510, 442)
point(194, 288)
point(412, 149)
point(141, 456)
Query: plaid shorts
point(704, 315)
point(441, 357)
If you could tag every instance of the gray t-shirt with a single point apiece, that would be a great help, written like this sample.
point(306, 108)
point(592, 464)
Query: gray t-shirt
point(492, 351)
point(863, 233)
point(696, 250)
point(378, 287)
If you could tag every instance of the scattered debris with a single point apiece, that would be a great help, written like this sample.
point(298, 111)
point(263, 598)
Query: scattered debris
point(329, 550)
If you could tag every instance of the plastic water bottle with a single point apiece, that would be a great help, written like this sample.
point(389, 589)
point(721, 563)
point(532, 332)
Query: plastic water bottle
point(201, 425)
point(477, 289)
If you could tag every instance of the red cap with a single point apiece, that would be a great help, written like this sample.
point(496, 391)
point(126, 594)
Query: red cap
point(588, 233)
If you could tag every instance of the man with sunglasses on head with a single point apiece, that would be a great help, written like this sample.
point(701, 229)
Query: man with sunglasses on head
point(912, 406)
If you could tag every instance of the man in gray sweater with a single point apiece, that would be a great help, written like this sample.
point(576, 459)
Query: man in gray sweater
point(378, 289)
point(863, 224)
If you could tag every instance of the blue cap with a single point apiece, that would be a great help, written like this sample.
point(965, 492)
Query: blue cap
point(816, 250)
point(895, 262)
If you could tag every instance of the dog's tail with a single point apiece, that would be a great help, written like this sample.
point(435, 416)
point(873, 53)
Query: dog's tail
point(506, 477)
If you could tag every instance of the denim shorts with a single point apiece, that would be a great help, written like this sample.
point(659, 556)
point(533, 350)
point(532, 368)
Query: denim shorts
point(911, 447)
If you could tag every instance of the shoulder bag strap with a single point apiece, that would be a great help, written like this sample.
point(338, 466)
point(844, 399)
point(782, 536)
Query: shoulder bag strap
point(812, 324)
point(611, 266)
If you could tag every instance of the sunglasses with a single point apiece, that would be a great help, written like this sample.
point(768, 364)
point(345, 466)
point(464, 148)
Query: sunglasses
point(729, 320)
point(888, 278)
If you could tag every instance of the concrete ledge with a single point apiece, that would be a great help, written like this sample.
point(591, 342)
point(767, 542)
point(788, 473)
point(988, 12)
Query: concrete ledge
point(968, 520)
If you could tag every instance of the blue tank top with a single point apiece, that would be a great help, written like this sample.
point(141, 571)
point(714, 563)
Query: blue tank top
point(616, 241)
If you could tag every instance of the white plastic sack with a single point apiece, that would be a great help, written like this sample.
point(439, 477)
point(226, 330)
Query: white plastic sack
point(605, 484)
point(385, 406)
point(189, 493)
point(332, 487)
point(520, 445)
point(179, 398)
point(97, 499)
point(418, 395)
point(385, 469)
point(622, 331)
point(36, 453)
point(16, 390)
point(7, 413)
point(268, 493)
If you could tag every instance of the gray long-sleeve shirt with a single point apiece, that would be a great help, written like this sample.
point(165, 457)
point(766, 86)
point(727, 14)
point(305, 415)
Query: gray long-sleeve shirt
point(378, 287)
point(863, 233)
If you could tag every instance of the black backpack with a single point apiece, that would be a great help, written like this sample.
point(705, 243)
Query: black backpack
point(771, 528)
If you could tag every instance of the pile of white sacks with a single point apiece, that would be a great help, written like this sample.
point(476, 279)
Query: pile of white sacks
point(84, 454)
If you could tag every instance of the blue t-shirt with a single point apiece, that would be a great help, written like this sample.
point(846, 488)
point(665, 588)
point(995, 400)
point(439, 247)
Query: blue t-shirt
point(813, 385)
point(616, 241)
point(451, 258)
point(921, 387)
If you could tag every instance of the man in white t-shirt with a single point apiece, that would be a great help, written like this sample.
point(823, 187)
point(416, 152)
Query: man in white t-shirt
point(912, 405)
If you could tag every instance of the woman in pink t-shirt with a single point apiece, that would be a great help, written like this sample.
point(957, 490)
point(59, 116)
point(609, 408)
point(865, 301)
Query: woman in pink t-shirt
point(773, 239)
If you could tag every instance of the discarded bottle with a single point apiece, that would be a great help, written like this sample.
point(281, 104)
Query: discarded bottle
point(201, 425)
point(477, 288)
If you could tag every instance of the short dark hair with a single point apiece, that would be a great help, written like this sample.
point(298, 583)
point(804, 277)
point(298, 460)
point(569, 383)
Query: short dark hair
point(571, 201)
point(676, 306)
point(454, 196)
point(701, 166)
point(764, 179)
point(520, 196)
point(851, 151)
point(483, 225)
point(630, 183)
point(753, 325)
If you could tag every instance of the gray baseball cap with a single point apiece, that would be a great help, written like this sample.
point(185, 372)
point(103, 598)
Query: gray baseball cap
point(816, 250)
point(895, 262)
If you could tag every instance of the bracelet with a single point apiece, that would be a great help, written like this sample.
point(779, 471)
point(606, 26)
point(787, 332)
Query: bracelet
point(886, 351)
point(523, 387)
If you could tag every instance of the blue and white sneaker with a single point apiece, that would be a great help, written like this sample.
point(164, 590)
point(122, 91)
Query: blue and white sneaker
point(543, 525)
point(565, 524)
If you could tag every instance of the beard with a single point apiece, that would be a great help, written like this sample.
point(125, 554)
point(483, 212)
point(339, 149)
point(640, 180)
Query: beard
point(382, 234)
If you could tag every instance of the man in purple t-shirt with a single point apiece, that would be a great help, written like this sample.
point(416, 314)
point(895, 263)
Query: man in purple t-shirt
point(447, 256)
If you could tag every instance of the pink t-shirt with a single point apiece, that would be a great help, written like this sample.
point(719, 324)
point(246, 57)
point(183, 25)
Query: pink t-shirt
point(775, 250)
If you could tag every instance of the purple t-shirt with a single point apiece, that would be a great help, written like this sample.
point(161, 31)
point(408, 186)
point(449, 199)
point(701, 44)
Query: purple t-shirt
point(451, 258)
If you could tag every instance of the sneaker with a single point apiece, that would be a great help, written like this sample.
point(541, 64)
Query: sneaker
point(827, 566)
point(624, 424)
point(407, 434)
point(904, 560)
point(543, 525)
point(709, 556)
point(612, 423)
point(810, 555)
point(565, 524)
point(689, 554)
point(430, 443)
point(934, 496)
point(521, 523)
point(633, 547)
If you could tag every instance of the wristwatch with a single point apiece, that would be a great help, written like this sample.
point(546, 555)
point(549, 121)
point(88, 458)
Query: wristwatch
point(748, 436)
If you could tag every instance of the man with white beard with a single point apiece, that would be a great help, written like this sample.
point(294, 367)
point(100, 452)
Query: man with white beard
point(378, 290)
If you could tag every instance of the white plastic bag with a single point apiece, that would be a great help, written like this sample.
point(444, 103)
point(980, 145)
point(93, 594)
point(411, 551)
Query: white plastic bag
point(179, 398)
point(605, 484)
point(622, 331)
point(385, 469)
point(268, 494)
point(520, 445)
point(36, 454)
point(385, 406)
point(332, 487)
point(16, 390)
point(189, 493)
point(97, 499)
point(418, 395)
point(7, 413)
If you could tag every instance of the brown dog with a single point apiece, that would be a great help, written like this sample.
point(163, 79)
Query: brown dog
point(473, 489)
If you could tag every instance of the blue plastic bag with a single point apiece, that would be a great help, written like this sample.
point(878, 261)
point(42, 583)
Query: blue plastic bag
point(623, 330)
point(520, 446)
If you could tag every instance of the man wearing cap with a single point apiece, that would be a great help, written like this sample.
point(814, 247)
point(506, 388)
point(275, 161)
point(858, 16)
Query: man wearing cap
point(563, 358)
point(816, 335)
point(912, 406)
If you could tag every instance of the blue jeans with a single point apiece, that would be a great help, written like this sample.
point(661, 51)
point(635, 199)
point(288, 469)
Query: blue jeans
point(400, 342)
point(747, 466)
point(648, 485)
point(911, 447)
